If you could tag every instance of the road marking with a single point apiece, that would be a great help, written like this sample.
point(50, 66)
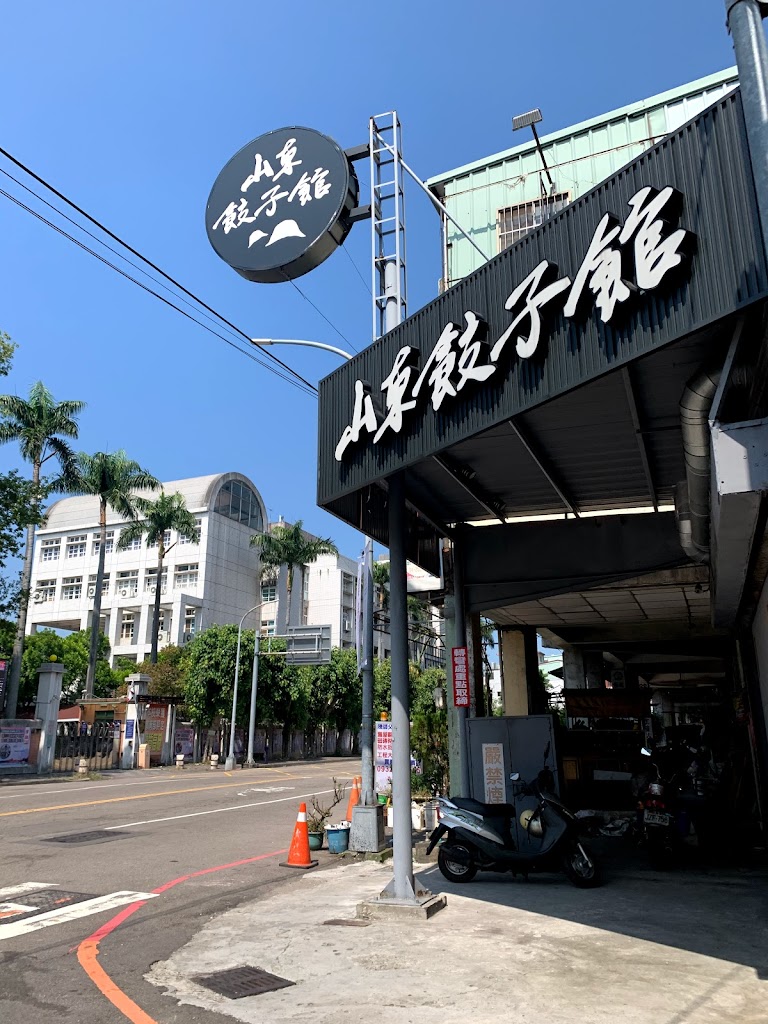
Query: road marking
point(88, 950)
point(268, 789)
point(219, 810)
point(24, 887)
point(14, 909)
point(77, 910)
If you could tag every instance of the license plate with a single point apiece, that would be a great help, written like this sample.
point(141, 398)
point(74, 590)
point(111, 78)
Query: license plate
point(655, 818)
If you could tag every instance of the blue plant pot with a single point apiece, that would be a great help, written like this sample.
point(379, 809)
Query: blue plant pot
point(338, 839)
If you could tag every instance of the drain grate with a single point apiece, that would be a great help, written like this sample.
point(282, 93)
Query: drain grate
point(86, 837)
point(238, 982)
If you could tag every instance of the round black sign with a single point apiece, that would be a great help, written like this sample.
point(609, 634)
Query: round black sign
point(281, 205)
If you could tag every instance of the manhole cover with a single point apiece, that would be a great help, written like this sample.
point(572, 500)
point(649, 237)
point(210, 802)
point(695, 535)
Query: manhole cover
point(86, 837)
point(350, 922)
point(242, 981)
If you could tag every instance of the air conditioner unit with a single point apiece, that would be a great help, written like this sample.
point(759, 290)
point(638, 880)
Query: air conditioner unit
point(91, 591)
point(152, 590)
point(347, 625)
point(618, 680)
point(123, 593)
point(188, 637)
point(38, 597)
point(162, 636)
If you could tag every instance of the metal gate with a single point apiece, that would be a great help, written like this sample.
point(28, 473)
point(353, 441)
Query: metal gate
point(97, 742)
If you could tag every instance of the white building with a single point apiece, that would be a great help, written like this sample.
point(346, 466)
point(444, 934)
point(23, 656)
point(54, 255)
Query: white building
point(211, 578)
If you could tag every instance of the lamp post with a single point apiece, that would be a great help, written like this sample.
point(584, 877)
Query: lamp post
point(230, 762)
point(368, 794)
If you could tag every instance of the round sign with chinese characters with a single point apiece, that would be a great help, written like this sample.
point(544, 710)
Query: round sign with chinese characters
point(281, 205)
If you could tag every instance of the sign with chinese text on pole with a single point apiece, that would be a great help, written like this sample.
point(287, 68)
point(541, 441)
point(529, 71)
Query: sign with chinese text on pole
point(14, 745)
point(281, 205)
point(460, 663)
point(154, 727)
point(383, 756)
point(494, 780)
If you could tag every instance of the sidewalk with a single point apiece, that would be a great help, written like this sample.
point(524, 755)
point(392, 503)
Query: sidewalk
point(647, 948)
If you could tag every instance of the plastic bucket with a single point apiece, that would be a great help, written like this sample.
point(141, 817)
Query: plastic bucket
point(338, 838)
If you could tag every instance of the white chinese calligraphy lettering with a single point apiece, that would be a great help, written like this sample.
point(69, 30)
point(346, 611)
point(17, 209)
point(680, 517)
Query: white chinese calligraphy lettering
point(527, 292)
point(654, 255)
point(303, 187)
point(363, 418)
point(601, 272)
point(441, 363)
point(272, 196)
point(395, 387)
point(472, 344)
point(233, 216)
point(262, 169)
point(287, 159)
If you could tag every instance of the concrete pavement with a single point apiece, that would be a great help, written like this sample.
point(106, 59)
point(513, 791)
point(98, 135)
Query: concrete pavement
point(648, 948)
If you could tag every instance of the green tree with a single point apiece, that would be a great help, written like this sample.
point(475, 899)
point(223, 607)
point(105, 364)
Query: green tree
point(335, 693)
point(159, 516)
point(19, 509)
point(211, 657)
point(7, 348)
point(169, 674)
point(112, 478)
point(291, 547)
point(41, 426)
point(429, 739)
point(72, 652)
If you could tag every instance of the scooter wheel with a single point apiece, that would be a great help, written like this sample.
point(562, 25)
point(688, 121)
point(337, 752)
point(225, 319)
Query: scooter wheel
point(452, 869)
point(580, 867)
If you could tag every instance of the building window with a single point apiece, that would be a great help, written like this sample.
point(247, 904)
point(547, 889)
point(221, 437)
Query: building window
point(190, 623)
point(150, 581)
point(185, 576)
point(133, 545)
point(127, 627)
point(166, 540)
point(268, 592)
point(108, 546)
point(45, 591)
point(71, 588)
point(128, 583)
point(104, 585)
point(237, 501)
point(516, 221)
point(76, 546)
point(267, 627)
point(50, 550)
point(164, 619)
point(195, 539)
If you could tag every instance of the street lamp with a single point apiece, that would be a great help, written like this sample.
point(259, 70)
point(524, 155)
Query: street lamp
point(230, 762)
point(263, 342)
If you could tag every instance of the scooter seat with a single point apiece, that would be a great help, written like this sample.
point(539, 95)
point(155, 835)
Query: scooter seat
point(487, 810)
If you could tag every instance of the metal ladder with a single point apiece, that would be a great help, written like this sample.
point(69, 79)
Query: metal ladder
point(387, 223)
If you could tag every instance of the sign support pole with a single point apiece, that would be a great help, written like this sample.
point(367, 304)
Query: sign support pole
point(460, 630)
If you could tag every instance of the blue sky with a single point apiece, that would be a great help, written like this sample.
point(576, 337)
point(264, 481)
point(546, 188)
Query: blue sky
point(131, 110)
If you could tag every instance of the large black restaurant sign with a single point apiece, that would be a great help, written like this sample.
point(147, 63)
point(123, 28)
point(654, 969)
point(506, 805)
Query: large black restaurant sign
point(669, 245)
point(281, 205)
point(623, 261)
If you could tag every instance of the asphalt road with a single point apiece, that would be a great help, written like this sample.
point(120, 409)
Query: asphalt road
point(150, 829)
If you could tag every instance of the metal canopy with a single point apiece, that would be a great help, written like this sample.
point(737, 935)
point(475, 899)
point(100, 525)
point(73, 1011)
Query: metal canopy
point(590, 424)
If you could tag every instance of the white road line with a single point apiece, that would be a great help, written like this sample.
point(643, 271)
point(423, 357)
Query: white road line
point(19, 890)
point(77, 910)
point(219, 810)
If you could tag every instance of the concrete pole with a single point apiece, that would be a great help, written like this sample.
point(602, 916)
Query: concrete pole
point(402, 883)
point(366, 743)
point(461, 641)
point(250, 762)
point(49, 679)
point(745, 23)
point(229, 764)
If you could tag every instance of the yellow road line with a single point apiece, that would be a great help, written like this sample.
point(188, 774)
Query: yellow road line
point(139, 796)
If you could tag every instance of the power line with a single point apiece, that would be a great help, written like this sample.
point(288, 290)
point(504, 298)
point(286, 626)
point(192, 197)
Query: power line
point(308, 389)
point(317, 309)
point(366, 284)
point(135, 252)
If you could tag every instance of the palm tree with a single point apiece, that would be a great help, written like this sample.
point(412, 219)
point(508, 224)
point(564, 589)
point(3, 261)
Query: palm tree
point(40, 425)
point(111, 477)
point(381, 582)
point(291, 547)
point(167, 512)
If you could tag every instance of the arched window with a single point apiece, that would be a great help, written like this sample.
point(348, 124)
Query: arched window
point(237, 501)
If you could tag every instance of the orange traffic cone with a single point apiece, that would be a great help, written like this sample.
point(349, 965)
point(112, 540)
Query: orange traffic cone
point(354, 796)
point(298, 855)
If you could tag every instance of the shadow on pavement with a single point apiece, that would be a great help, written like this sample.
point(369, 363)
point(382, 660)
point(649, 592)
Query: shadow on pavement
point(721, 913)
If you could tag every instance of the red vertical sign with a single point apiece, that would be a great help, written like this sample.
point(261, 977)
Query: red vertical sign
point(460, 677)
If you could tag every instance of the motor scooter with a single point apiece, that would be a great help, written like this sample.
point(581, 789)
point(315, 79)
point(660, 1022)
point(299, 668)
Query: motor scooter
point(474, 837)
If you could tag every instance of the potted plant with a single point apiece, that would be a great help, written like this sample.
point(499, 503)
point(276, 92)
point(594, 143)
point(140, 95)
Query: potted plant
point(319, 814)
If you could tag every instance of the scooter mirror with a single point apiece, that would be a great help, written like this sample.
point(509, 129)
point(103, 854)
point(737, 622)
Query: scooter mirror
point(645, 752)
point(514, 777)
